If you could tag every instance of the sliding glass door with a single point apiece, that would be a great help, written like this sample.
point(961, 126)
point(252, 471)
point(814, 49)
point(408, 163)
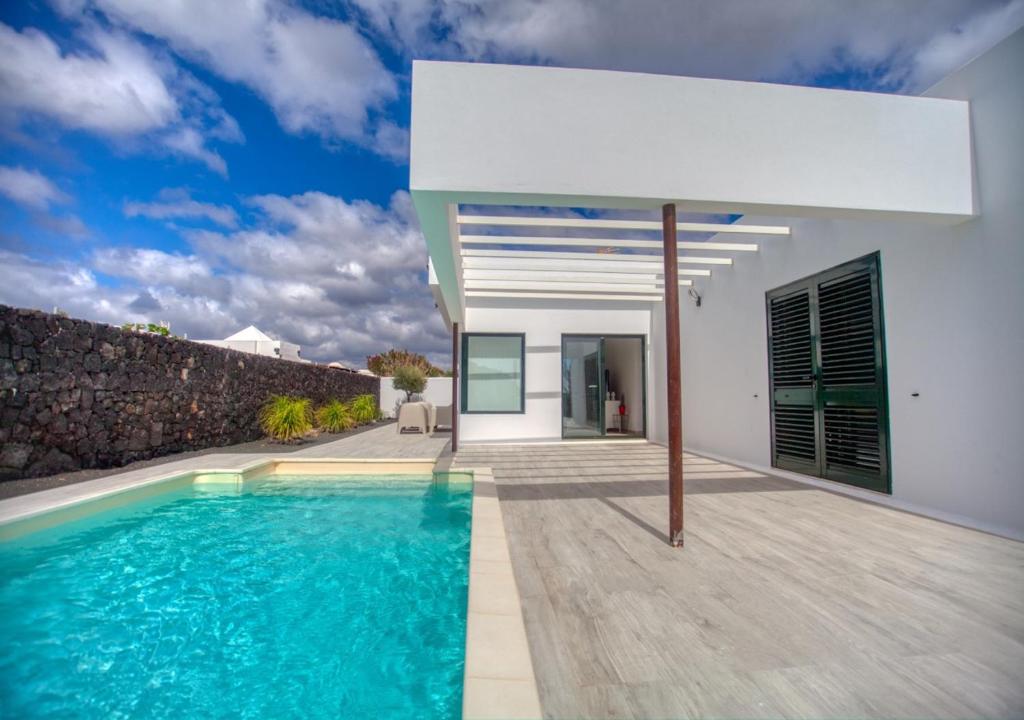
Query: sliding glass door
point(582, 387)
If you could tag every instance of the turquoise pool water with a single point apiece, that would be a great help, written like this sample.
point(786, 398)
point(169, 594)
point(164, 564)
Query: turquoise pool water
point(298, 598)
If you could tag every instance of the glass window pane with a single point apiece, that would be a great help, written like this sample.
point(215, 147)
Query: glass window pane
point(494, 373)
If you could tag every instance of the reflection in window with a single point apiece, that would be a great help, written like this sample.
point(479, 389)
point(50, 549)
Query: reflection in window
point(492, 380)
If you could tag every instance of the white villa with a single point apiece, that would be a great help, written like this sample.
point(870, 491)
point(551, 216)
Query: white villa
point(253, 340)
point(796, 314)
point(836, 276)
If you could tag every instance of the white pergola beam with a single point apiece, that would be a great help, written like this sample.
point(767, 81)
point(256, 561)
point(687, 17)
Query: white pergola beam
point(541, 285)
point(563, 296)
point(591, 223)
point(503, 264)
point(597, 242)
point(546, 272)
point(542, 275)
point(567, 285)
point(473, 255)
point(573, 274)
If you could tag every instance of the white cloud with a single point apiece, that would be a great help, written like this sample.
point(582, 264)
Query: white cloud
point(783, 40)
point(38, 194)
point(66, 226)
point(29, 188)
point(151, 266)
point(119, 90)
point(391, 141)
point(115, 87)
point(43, 284)
point(950, 50)
point(343, 279)
point(190, 143)
point(407, 23)
point(177, 204)
point(318, 74)
point(156, 287)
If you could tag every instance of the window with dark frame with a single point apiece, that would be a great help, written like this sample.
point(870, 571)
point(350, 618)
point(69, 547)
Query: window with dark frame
point(493, 373)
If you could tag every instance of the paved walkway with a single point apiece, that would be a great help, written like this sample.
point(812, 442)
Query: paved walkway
point(787, 601)
point(383, 442)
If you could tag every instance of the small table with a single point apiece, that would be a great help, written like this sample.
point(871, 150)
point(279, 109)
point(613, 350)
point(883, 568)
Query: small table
point(612, 419)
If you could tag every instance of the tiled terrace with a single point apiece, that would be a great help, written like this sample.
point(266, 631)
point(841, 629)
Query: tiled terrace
point(787, 601)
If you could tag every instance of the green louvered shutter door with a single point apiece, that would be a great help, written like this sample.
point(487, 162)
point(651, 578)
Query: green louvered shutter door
point(826, 359)
point(854, 420)
point(791, 365)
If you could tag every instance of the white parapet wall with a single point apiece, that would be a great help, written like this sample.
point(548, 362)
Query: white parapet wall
point(438, 392)
point(710, 144)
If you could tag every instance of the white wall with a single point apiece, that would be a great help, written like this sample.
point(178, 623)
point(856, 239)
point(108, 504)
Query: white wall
point(269, 348)
point(544, 323)
point(954, 323)
point(291, 351)
point(438, 392)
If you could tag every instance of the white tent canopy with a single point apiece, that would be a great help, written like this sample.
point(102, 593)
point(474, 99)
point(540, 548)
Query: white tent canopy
point(250, 334)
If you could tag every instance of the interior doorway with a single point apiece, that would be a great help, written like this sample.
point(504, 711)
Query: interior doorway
point(604, 386)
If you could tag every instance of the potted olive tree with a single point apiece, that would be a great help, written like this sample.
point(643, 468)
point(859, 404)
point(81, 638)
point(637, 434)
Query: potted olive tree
point(409, 379)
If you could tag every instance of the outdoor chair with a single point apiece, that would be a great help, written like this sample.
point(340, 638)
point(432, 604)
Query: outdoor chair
point(443, 416)
point(415, 417)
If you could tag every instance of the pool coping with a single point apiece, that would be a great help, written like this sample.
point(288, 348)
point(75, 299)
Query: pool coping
point(498, 679)
point(23, 514)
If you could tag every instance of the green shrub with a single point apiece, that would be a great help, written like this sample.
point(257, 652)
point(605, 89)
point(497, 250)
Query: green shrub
point(409, 379)
point(364, 409)
point(152, 328)
point(385, 364)
point(335, 417)
point(286, 418)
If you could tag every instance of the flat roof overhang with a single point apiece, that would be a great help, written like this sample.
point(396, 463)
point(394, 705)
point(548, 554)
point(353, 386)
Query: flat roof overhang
point(545, 137)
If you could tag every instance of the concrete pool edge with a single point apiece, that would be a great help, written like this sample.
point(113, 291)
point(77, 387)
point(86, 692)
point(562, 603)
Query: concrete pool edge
point(499, 680)
point(28, 513)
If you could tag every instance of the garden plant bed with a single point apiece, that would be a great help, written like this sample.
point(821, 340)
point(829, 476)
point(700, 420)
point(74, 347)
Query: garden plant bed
point(12, 488)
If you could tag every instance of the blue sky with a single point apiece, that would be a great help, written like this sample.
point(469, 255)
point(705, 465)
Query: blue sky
point(220, 164)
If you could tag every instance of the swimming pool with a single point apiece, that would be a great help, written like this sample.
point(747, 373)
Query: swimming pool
point(295, 597)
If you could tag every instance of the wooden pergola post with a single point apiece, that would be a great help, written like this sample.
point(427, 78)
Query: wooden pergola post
point(455, 387)
point(675, 398)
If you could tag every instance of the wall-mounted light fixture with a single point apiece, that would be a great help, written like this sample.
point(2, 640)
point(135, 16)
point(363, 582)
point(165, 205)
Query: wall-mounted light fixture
point(695, 295)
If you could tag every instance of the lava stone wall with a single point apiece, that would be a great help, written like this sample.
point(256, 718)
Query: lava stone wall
point(76, 394)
